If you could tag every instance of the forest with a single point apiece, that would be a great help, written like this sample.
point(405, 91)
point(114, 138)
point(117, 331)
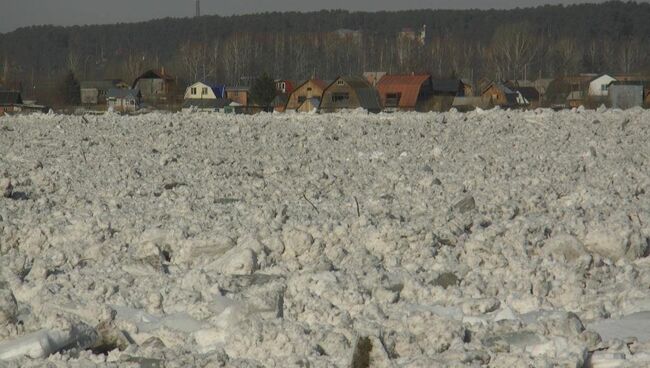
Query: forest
point(529, 43)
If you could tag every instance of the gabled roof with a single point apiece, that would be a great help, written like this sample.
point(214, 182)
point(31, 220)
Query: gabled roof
point(10, 98)
point(219, 90)
point(238, 89)
point(499, 86)
point(155, 74)
point(123, 93)
point(368, 96)
point(407, 85)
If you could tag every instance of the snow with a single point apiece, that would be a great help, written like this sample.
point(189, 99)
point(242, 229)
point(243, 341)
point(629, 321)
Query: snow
point(496, 237)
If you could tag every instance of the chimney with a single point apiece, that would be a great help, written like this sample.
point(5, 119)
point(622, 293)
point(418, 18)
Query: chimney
point(198, 8)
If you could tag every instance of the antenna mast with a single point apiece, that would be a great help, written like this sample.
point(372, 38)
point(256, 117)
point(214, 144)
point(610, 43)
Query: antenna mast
point(198, 8)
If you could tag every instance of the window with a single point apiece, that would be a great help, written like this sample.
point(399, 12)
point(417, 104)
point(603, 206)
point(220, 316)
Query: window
point(340, 97)
point(193, 91)
point(392, 99)
point(302, 99)
point(204, 91)
point(308, 89)
point(603, 87)
point(340, 82)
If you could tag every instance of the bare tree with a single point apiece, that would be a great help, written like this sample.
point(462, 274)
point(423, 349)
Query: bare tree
point(513, 48)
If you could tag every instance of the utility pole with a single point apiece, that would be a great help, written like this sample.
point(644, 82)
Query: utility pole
point(198, 8)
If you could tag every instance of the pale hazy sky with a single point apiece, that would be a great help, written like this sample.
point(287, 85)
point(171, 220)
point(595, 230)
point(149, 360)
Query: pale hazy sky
point(19, 13)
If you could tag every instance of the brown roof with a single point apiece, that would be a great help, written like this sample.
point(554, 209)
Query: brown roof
point(408, 85)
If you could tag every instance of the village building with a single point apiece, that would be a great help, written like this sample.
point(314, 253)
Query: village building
point(501, 95)
point(204, 96)
point(124, 100)
point(348, 93)
point(238, 95)
point(156, 86)
point(405, 92)
point(626, 96)
point(94, 92)
point(598, 87)
point(311, 89)
point(284, 86)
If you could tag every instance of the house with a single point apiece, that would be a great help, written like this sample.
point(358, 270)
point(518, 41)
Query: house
point(284, 86)
point(599, 85)
point(501, 95)
point(155, 86)
point(312, 88)
point(94, 92)
point(625, 95)
point(10, 101)
point(530, 96)
point(205, 91)
point(239, 95)
point(204, 96)
point(124, 100)
point(405, 92)
point(350, 93)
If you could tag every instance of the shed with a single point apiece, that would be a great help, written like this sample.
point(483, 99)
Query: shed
point(240, 95)
point(405, 92)
point(626, 95)
point(350, 92)
point(94, 92)
point(124, 100)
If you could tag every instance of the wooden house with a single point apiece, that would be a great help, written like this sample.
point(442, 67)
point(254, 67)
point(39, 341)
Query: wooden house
point(310, 89)
point(501, 95)
point(348, 93)
point(156, 86)
point(405, 92)
point(239, 95)
point(123, 100)
point(94, 92)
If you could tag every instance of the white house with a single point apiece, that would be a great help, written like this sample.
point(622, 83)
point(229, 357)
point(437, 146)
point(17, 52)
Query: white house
point(202, 91)
point(598, 87)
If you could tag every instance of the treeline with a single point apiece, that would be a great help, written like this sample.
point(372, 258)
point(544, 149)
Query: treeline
point(547, 41)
